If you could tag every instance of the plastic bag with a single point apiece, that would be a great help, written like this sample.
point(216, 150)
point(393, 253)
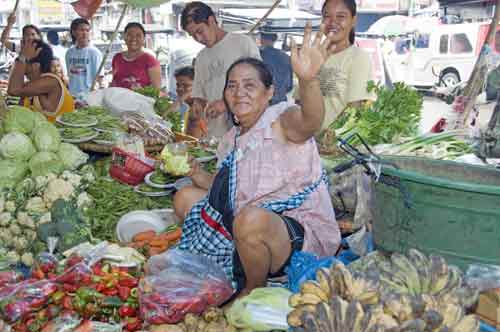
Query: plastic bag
point(46, 262)
point(66, 322)
point(303, 266)
point(352, 191)
point(264, 309)
point(26, 299)
point(483, 276)
point(91, 326)
point(179, 283)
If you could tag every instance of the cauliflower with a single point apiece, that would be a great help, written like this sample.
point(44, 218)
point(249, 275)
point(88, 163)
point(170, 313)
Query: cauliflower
point(20, 243)
point(27, 259)
point(7, 237)
point(84, 201)
point(46, 218)
point(5, 218)
point(36, 205)
point(2, 203)
point(88, 177)
point(15, 229)
point(57, 188)
point(30, 235)
point(10, 206)
point(24, 219)
point(51, 176)
point(12, 256)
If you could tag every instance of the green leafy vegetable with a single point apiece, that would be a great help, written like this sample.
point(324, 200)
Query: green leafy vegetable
point(12, 172)
point(175, 119)
point(149, 91)
point(71, 156)
point(43, 163)
point(162, 105)
point(395, 114)
point(46, 137)
point(16, 146)
point(20, 119)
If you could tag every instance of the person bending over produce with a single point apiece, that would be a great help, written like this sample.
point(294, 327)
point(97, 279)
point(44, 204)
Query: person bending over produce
point(135, 68)
point(269, 197)
point(345, 74)
point(30, 33)
point(44, 91)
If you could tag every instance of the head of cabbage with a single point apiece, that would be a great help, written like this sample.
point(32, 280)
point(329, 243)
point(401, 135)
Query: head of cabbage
point(16, 146)
point(20, 119)
point(71, 156)
point(12, 171)
point(43, 163)
point(46, 137)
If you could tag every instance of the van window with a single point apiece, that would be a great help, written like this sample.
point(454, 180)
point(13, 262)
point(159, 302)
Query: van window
point(443, 44)
point(460, 44)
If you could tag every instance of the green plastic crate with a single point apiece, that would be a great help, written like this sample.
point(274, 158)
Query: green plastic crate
point(442, 207)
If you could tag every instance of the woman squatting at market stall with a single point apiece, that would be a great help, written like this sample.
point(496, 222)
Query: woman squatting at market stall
point(269, 197)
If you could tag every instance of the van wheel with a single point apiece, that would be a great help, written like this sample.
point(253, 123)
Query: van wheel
point(450, 78)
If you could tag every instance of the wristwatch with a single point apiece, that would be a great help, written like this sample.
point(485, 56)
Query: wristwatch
point(22, 59)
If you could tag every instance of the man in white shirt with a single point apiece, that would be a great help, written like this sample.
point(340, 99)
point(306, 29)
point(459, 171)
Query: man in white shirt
point(221, 50)
point(58, 50)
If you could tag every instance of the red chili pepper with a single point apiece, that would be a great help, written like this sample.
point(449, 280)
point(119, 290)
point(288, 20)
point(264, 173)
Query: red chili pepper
point(110, 292)
point(128, 282)
point(97, 269)
point(69, 277)
point(70, 288)
point(51, 275)
point(133, 324)
point(123, 293)
point(157, 320)
point(100, 287)
point(67, 302)
point(37, 302)
point(127, 311)
point(38, 274)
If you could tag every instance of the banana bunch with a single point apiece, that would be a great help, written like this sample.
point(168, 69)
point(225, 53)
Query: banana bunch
point(419, 274)
point(336, 281)
point(400, 313)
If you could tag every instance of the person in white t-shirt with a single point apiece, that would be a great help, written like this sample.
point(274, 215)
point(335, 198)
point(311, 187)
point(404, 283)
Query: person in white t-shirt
point(57, 48)
point(221, 50)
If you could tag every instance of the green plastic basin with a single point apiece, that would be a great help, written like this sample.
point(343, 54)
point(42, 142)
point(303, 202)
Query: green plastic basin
point(442, 207)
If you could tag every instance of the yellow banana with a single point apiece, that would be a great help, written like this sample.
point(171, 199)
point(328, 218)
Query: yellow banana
point(323, 278)
point(294, 318)
point(353, 317)
point(313, 287)
point(410, 273)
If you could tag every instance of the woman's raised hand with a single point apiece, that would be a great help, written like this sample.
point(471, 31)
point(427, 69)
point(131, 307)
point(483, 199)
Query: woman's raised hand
point(307, 61)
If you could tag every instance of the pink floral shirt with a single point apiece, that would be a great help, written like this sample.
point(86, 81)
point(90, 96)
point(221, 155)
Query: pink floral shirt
point(269, 170)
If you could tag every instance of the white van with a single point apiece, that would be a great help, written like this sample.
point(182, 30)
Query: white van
point(453, 48)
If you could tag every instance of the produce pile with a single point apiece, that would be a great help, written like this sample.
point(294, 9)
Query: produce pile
point(149, 243)
point(31, 146)
point(394, 114)
point(91, 123)
point(212, 320)
point(41, 207)
point(414, 293)
point(445, 146)
point(74, 295)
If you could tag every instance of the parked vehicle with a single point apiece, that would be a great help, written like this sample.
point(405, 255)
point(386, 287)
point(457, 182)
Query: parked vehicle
point(454, 48)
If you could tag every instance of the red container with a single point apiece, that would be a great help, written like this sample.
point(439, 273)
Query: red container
point(127, 168)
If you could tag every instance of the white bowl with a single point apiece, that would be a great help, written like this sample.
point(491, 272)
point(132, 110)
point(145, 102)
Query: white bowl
point(140, 221)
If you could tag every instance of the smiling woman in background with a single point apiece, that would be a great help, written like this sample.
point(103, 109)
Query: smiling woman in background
point(345, 74)
point(135, 68)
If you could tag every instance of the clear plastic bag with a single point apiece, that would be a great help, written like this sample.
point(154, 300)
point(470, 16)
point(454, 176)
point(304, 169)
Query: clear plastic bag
point(179, 283)
point(264, 309)
point(66, 322)
point(483, 276)
point(91, 326)
point(26, 299)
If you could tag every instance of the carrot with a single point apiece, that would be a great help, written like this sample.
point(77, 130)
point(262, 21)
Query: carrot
point(157, 242)
point(173, 235)
point(137, 244)
point(144, 236)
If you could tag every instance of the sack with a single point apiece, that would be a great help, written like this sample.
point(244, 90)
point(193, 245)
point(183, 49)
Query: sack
point(178, 283)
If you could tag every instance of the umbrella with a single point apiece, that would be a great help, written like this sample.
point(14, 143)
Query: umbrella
point(391, 26)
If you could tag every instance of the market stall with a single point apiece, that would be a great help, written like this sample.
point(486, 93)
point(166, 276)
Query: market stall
point(88, 236)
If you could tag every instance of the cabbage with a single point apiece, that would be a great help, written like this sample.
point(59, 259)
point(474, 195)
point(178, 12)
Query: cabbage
point(16, 146)
point(46, 137)
point(71, 156)
point(44, 163)
point(39, 118)
point(19, 119)
point(175, 164)
point(12, 172)
point(264, 309)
